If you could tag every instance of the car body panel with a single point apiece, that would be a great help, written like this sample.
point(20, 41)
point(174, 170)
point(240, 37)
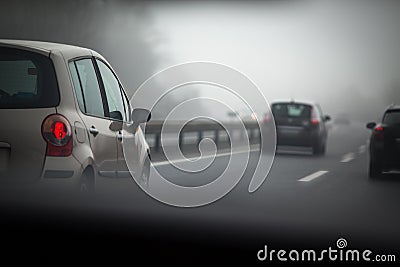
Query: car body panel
point(387, 150)
point(24, 157)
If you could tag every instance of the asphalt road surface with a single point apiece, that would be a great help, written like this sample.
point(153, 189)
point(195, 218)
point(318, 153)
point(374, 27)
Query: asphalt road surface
point(306, 202)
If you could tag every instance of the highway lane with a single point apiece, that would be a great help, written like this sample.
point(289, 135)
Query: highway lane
point(341, 200)
point(306, 201)
point(338, 197)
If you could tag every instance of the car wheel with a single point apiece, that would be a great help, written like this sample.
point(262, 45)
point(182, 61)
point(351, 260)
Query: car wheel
point(315, 150)
point(318, 149)
point(375, 169)
point(322, 149)
point(86, 182)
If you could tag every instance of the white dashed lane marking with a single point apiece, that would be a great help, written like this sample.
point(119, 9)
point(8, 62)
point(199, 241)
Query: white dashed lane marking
point(348, 157)
point(362, 149)
point(312, 176)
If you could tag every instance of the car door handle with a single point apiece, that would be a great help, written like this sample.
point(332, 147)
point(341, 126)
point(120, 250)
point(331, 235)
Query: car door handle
point(93, 131)
point(119, 136)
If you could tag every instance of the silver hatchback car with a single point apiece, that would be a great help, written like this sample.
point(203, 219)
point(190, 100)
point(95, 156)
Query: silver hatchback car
point(63, 114)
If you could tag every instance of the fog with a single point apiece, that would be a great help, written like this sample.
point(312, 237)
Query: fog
point(343, 54)
point(120, 30)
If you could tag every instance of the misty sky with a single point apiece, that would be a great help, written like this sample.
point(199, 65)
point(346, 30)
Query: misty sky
point(340, 53)
point(343, 54)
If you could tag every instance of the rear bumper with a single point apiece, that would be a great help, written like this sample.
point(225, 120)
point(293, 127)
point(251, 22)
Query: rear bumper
point(387, 157)
point(296, 137)
point(58, 174)
point(61, 171)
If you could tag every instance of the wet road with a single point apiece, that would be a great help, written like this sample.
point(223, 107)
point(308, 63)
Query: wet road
point(306, 201)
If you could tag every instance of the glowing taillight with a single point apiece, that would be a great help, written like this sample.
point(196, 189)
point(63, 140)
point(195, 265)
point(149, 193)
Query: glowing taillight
point(314, 118)
point(379, 133)
point(56, 131)
point(59, 130)
point(314, 121)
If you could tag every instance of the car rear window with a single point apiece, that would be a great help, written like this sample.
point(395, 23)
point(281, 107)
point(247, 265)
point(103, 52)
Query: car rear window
point(27, 80)
point(392, 117)
point(291, 110)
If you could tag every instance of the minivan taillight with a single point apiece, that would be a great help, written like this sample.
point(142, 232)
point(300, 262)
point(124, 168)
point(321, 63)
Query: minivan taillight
point(314, 118)
point(57, 132)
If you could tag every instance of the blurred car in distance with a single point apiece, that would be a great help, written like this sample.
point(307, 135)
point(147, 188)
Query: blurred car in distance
point(342, 119)
point(384, 148)
point(300, 123)
point(63, 110)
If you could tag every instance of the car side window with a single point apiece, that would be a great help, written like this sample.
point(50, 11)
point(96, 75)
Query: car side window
point(77, 86)
point(113, 91)
point(86, 82)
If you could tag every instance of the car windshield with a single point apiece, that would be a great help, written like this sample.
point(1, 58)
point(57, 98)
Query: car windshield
point(392, 117)
point(292, 110)
point(27, 80)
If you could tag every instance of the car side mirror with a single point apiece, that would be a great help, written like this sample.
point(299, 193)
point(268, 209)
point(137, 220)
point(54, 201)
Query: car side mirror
point(371, 125)
point(117, 123)
point(116, 115)
point(116, 126)
point(327, 118)
point(140, 115)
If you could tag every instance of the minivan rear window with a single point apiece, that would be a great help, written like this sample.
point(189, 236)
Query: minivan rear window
point(27, 80)
point(292, 110)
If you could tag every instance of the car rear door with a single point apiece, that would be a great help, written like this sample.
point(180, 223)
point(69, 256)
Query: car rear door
point(293, 123)
point(95, 115)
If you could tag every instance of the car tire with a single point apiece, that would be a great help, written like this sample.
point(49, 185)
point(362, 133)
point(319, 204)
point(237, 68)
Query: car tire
point(318, 149)
point(315, 150)
point(375, 169)
point(322, 149)
point(86, 182)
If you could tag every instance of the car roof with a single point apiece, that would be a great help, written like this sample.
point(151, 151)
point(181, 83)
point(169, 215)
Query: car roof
point(307, 102)
point(393, 107)
point(68, 51)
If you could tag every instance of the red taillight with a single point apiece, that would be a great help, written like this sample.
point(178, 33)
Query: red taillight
point(314, 121)
point(378, 133)
point(59, 130)
point(314, 117)
point(56, 131)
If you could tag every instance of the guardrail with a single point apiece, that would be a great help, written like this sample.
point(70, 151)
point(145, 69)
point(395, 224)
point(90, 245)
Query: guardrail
point(203, 129)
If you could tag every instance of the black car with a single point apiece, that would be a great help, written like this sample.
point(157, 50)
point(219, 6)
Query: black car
point(384, 149)
point(300, 124)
